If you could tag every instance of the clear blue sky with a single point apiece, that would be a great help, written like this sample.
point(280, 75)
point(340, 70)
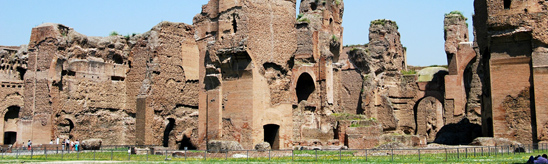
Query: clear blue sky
point(420, 21)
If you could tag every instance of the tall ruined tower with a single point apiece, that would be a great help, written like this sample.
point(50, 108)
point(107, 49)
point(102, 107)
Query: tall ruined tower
point(315, 72)
point(459, 53)
point(513, 44)
point(246, 49)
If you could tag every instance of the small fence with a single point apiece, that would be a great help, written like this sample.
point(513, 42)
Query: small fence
point(126, 153)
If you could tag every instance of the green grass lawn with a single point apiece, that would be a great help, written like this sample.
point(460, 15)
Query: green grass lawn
point(298, 157)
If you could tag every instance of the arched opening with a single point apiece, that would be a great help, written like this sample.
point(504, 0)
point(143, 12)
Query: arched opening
point(507, 4)
point(10, 125)
point(429, 117)
point(13, 113)
point(187, 143)
point(271, 135)
point(169, 127)
point(305, 87)
point(65, 128)
point(118, 59)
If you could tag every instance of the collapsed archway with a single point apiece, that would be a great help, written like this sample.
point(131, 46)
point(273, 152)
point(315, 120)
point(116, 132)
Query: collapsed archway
point(169, 127)
point(271, 135)
point(305, 87)
point(65, 128)
point(10, 125)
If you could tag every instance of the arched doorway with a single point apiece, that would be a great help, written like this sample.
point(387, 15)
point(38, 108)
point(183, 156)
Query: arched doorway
point(271, 135)
point(429, 117)
point(305, 87)
point(10, 125)
point(65, 128)
point(169, 127)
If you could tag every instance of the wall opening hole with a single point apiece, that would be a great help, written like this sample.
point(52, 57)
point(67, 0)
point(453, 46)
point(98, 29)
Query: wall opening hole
point(185, 142)
point(118, 59)
point(117, 78)
point(305, 87)
point(234, 22)
point(169, 127)
point(507, 4)
point(271, 135)
point(10, 138)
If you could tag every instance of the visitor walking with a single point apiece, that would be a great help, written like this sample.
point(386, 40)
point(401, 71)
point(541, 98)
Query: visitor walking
point(76, 145)
point(66, 142)
point(71, 145)
point(63, 144)
point(29, 145)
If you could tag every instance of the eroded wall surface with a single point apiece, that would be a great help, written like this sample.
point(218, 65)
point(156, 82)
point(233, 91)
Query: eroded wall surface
point(246, 47)
point(79, 87)
point(512, 42)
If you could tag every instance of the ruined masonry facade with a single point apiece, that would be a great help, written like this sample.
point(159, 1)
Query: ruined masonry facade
point(249, 74)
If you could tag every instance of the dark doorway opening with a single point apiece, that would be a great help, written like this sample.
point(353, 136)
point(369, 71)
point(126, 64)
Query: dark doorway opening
point(490, 127)
point(168, 130)
point(185, 142)
point(305, 87)
point(507, 4)
point(271, 135)
point(10, 138)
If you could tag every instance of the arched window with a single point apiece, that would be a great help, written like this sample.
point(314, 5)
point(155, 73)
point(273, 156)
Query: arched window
point(305, 87)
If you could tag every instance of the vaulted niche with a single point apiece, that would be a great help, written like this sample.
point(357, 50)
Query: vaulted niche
point(271, 135)
point(305, 87)
point(236, 66)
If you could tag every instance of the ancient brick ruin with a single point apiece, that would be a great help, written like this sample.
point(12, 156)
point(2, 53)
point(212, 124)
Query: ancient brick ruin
point(249, 74)
point(512, 41)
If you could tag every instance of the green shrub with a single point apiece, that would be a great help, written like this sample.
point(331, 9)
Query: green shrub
point(383, 22)
point(114, 33)
point(457, 13)
point(299, 16)
point(304, 20)
point(409, 72)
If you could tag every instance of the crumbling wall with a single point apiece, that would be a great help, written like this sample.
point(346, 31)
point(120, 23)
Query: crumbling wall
point(77, 87)
point(246, 47)
point(375, 73)
point(13, 66)
point(315, 63)
point(459, 54)
point(387, 94)
point(513, 48)
point(158, 76)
